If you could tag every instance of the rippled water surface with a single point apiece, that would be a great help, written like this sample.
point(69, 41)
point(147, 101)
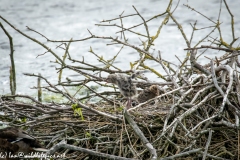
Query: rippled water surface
point(63, 20)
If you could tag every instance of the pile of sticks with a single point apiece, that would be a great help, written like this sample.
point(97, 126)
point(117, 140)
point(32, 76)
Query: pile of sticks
point(195, 117)
point(196, 114)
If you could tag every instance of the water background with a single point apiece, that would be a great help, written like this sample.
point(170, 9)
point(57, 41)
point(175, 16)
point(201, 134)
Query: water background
point(63, 20)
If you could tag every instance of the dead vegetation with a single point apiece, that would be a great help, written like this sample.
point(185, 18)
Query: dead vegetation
point(195, 116)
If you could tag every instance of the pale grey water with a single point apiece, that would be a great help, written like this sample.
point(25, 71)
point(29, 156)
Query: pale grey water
point(63, 20)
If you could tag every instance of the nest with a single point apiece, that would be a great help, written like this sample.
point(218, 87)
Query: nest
point(196, 116)
point(189, 125)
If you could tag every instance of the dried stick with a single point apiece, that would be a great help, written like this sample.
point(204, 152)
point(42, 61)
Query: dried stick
point(63, 144)
point(146, 27)
point(207, 144)
point(173, 107)
point(184, 154)
point(13, 86)
point(173, 81)
point(64, 58)
point(232, 22)
point(185, 114)
point(74, 101)
point(34, 40)
point(158, 97)
point(225, 99)
point(99, 95)
point(211, 47)
point(199, 92)
point(144, 140)
point(39, 88)
point(197, 65)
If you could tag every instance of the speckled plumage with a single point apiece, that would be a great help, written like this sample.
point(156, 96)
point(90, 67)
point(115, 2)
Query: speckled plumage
point(125, 85)
point(148, 94)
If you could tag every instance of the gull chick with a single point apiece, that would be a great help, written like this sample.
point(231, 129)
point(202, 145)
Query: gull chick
point(125, 85)
point(148, 93)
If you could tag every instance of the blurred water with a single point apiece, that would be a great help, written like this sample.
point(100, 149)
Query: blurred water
point(63, 20)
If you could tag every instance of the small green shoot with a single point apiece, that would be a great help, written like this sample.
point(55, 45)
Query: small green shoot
point(77, 110)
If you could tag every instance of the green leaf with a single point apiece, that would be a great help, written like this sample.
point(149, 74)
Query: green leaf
point(88, 135)
point(77, 111)
point(131, 65)
point(74, 106)
point(24, 119)
point(121, 108)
